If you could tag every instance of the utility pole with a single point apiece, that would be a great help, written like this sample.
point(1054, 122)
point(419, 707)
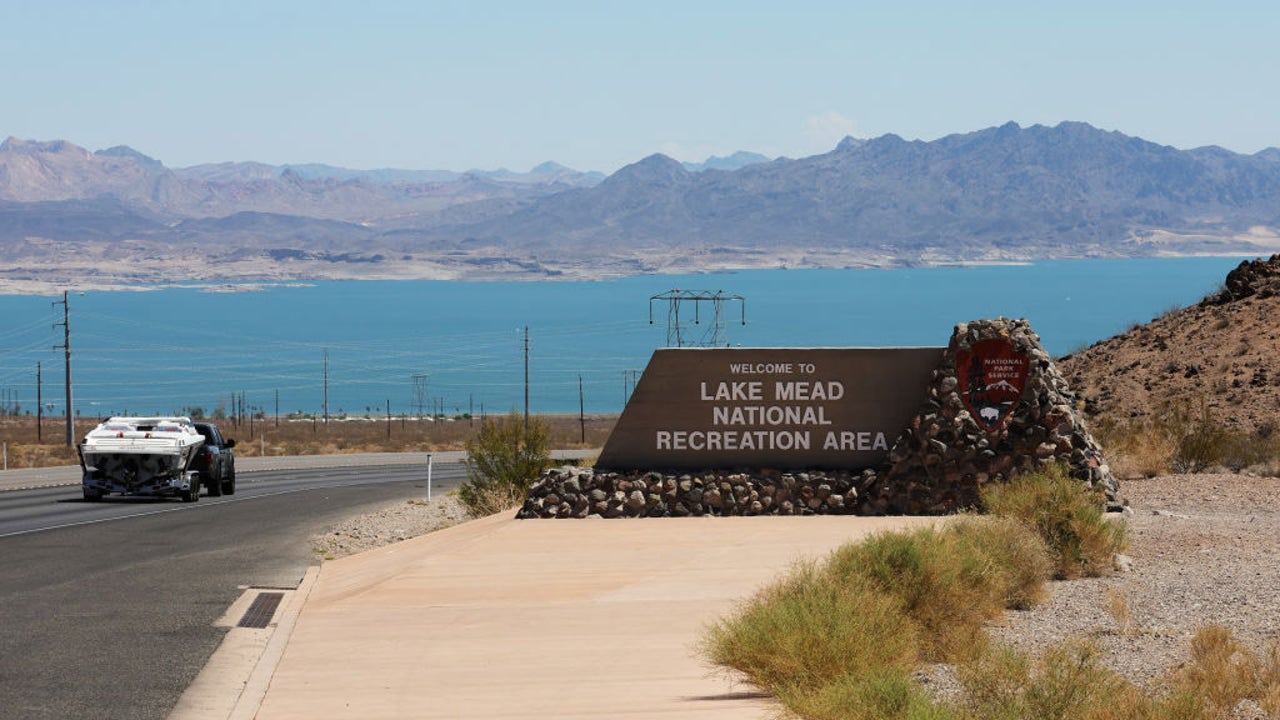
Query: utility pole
point(582, 410)
point(66, 349)
point(326, 387)
point(39, 407)
point(277, 407)
point(526, 380)
point(388, 418)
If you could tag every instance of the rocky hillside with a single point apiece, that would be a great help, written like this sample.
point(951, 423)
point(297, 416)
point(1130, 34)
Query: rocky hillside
point(1222, 354)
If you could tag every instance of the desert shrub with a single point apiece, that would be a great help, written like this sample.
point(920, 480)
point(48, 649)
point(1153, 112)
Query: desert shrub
point(1068, 516)
point(1200, 443)
point(1224, 672)
point(503, 458)
point(1135, 448)
point(806, 632)
point(1250, 449)
point(881, 696)
point(1019, 561)
point(1183, 440)
point(950, 581)
point(1067, 683)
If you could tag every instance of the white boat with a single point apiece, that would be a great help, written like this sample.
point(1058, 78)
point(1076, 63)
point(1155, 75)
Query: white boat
point(141, 456)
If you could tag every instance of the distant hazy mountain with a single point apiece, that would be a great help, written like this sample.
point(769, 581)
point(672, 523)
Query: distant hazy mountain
point(547, 172)
point(1003, 193)
point(735, 161)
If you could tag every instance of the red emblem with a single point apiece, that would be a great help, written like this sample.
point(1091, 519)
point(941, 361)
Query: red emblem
point(992, 376)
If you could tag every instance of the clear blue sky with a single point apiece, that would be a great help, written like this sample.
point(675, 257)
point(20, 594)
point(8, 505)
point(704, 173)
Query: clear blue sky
point(597, 85)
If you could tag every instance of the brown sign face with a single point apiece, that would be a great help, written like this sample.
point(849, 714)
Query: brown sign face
point(991, 377)
point(783, 408)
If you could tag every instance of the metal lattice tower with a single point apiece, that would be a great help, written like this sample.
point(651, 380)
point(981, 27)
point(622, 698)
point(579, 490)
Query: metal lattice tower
point(711, 334)
point(419, 392)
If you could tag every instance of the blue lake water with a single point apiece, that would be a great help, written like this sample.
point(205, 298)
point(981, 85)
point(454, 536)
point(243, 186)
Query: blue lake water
point(162, 350)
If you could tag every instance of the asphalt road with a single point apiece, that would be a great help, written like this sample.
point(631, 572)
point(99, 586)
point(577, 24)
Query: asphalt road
point(107, 609)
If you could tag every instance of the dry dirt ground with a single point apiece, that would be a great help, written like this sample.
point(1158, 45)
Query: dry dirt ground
point(1219, 359)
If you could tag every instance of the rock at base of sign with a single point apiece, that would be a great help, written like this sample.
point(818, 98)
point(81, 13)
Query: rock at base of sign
point(651, 494)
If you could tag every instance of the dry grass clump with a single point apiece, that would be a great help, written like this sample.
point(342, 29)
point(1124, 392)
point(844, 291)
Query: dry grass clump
point(1068, 681)
point(951, 581)
point(806, 632)
point(1116, 604)
point(1066, 684)
point(1069, 518)
point(1223, 673)
point(1182, 440)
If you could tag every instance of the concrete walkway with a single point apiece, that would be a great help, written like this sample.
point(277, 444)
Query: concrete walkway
point(504, 618)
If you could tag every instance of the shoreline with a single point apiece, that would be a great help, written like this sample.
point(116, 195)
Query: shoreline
point(262, 279)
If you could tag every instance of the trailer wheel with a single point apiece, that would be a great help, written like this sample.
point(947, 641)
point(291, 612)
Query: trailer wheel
point(92, 495)
point(192, 495)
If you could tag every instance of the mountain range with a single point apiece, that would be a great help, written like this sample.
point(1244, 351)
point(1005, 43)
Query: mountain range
point(1008, 193)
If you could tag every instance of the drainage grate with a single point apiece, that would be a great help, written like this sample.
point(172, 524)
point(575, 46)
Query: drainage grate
point(261, 610)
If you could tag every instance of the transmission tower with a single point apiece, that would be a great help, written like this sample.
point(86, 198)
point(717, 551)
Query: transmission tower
point(419, 392)
point(711, 334)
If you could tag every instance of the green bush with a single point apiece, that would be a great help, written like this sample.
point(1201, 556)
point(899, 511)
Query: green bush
point(1068, 516)
point(503, 458)
point(1200, 442)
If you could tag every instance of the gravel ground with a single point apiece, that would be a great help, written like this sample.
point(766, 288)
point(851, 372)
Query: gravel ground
point(1202, 550)
point(393, 522)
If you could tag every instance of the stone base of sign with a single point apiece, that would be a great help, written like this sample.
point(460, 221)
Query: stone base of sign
point(572, 492)
point(971, 430)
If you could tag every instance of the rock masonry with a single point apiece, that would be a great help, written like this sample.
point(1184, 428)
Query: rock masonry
point(938, 464)
point(572, 492)
point(944, 457)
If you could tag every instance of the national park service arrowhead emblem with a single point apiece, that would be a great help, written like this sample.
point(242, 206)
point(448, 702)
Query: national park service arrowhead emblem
point(991, 377)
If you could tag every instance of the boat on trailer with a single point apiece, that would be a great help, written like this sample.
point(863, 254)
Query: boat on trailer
point(141, 456)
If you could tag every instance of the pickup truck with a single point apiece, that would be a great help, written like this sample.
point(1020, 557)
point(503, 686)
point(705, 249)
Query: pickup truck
point(215, 461)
